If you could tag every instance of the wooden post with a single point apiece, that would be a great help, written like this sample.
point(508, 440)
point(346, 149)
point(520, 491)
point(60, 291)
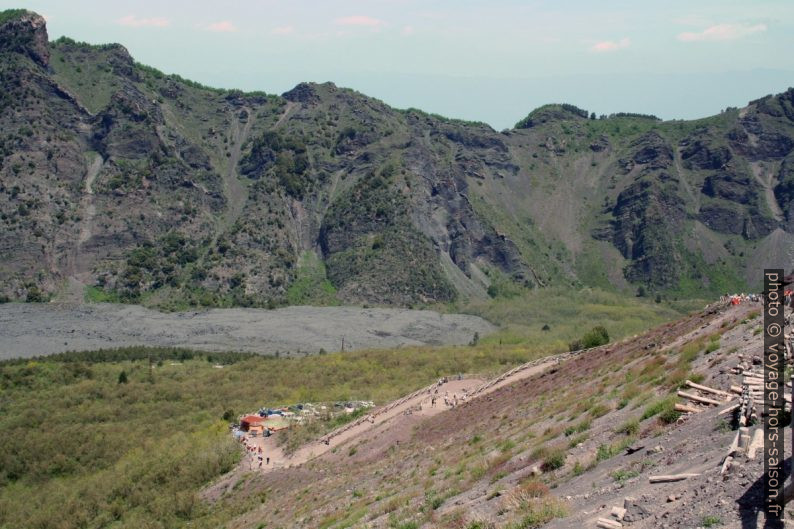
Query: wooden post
point(744, 439)
point(672, 477)
point(685, 408)
point(704, 400)
point(709, 390)
point(343, 344)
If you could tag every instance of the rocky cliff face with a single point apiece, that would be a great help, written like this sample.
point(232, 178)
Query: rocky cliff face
point(26, 33)
point(148, 187)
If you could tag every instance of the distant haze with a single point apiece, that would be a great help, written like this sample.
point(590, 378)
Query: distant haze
point(490, 61)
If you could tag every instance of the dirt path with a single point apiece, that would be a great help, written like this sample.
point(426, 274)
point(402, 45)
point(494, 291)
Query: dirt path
point(384, 419)
point(287, 109)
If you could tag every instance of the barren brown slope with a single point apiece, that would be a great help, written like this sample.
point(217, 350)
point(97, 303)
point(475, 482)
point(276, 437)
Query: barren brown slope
point(575, 420)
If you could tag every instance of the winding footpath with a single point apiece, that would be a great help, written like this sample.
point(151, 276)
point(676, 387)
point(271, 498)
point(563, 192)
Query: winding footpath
point(416, 403)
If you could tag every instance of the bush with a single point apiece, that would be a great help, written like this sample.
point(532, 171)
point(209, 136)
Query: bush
point(604, 452)
point(630, 427)
point(577, 428)
point(669, 416)
point(593, 338)
point(662, 406)
point(35, 295)
point(623, 475)
point(554, 460)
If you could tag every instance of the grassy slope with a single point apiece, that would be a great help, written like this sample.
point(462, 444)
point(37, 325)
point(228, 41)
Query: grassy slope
point(568, 312)
point(84, 449)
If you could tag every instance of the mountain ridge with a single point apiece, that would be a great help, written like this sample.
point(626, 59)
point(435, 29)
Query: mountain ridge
point(174, 194)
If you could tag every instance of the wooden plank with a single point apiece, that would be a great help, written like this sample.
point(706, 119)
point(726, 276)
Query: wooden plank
point(728, 409)
point(726, 464)
point(708, 389)
point(756, 443)
point(671, 477)
point(696, 398)
point(603, 523)
point(686, 408)
point(618, 513)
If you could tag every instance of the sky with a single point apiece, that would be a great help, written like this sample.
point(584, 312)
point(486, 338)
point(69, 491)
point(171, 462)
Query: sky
point(491, 61)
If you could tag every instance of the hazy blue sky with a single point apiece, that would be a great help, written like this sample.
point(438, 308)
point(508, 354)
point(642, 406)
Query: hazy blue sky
point(488, 60)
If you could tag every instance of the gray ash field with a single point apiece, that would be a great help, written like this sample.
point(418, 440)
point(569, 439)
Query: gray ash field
point(28, 330)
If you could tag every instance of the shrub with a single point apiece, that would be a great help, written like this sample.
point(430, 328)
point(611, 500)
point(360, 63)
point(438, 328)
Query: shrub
point(577, 428)
point(623, 475)
point(554, 460)
point(575, 441)
point(658, 407)
point(604, 452)
point(593, 338)
point(669, 416)
point(598, 410)
point(630, 427)
point(537, 512)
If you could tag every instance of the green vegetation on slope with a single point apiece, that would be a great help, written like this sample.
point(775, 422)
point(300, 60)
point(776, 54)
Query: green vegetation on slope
point(311, 286)
point(553, 317)
point(82, 449)
point(10, 14)
point(91, 440)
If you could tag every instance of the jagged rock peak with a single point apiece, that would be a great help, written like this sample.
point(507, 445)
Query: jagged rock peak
point(24, 31)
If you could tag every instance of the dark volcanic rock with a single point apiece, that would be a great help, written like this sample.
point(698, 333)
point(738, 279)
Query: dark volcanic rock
point(699, 154)
point(722, 218)
point(751, 138)
point(26, 34)
point(302, 93)
point(652, 150)
point(474, 140)
point(647, 218)
point(730, 186)
point(784, 191)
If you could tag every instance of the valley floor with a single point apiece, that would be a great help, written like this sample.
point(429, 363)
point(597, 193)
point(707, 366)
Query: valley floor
point(32, 329)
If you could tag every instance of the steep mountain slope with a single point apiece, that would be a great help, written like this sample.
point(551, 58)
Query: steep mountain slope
point(147, 187)
point(559, 442)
